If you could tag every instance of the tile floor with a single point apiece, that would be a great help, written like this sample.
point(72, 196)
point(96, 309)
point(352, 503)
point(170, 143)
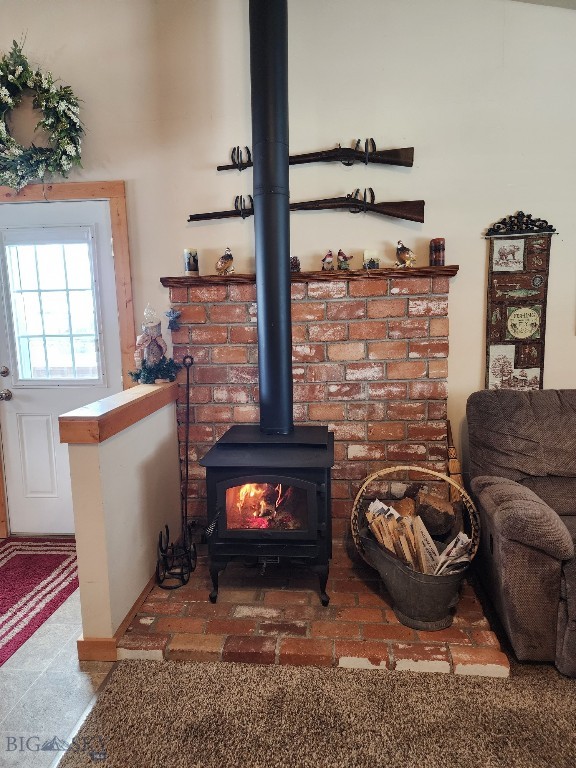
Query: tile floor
point(277, 618)
point(44, 689)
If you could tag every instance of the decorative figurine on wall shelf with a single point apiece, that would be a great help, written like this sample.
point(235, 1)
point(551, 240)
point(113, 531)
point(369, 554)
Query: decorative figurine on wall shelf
point(173, 315)
point(328, 262)
point(343, 260)
point(404, 256)
point(371, 263)
point(190, 262)
point(294, 264)
point(437, 249)
point(224, 265)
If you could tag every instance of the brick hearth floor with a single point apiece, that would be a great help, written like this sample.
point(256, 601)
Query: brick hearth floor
point(277, 619)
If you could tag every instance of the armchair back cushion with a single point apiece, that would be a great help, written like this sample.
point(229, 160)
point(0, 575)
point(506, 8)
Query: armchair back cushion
point(518, 437)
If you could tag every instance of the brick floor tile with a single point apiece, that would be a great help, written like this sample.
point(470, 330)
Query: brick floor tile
point(255, 581)
point(303, 581)
point(176, 624)
point(341, 629)
point(238, 596)
point(356, 586)
point(448, 635)
point(161, 608)
point(146, 642)
point(209, 610)
point(256, 612)
point(140, 624)
point(361, 654)
point(231, 626)
point(189, 595)
point(312, 652)
point(250, 650)
point(483, 661)
point(373, 601)
point(158, 593)
point(417, 657)
point(371, 615)
point(287, 597)
point(341, 599)
point(387, 632)
point(202, 585)
point(150, 647)
point(309, 612)
point(475, 621)
point(297, 628)
point(484, 637)
point(195, 647)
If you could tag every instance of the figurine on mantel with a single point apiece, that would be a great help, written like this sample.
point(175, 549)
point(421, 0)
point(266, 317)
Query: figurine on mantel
point(343, 260)
point(404, 256)
point(328, 262)
point(294, 264)
point(190, 262)
point(224, 265)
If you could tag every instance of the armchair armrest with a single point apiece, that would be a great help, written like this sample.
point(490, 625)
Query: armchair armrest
point(520, 515)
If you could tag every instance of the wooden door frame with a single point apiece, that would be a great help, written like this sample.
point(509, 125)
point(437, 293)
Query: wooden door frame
point(114, 193)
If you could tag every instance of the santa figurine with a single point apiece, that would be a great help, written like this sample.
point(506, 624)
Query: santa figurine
point(343, 260)
point(328, 262)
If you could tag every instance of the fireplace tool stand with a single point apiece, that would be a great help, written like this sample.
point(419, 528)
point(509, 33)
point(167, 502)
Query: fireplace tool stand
point(177, 560)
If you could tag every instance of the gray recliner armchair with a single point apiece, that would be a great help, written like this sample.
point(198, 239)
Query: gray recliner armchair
point(522, 448)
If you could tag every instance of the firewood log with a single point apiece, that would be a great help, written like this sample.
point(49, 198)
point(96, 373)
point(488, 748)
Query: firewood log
point(405, 507)
point(437, 514)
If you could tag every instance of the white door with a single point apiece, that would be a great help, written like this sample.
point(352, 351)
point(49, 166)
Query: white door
point(59, 340)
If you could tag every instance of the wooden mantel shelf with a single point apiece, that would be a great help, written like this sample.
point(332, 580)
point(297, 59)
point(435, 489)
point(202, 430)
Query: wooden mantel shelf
point(309, 277)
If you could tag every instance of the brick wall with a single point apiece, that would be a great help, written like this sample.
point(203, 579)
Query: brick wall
point(370, 360)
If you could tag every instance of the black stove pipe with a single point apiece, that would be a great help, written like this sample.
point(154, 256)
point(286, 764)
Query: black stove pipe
point(269, 83)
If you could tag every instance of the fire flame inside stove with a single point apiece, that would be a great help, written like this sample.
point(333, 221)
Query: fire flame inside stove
point(266, 505)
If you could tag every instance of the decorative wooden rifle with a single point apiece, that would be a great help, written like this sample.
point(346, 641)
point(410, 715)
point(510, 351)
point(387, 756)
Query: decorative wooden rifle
point(411, 210)
point(345, 155)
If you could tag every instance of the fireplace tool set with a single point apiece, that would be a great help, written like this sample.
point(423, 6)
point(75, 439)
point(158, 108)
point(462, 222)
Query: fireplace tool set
point(177, 560)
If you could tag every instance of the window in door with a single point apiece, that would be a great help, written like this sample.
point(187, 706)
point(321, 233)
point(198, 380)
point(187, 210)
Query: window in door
point(52, 304)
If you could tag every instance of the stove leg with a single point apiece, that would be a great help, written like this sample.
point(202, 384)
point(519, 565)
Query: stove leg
point(322, 571)
point(215, 568)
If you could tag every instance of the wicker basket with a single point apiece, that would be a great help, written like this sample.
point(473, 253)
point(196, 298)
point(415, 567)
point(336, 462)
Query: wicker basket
point(421, 601)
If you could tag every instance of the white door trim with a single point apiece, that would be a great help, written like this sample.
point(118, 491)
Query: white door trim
point(114, 193)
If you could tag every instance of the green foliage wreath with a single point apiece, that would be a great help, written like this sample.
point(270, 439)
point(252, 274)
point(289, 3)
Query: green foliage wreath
point(19, 165)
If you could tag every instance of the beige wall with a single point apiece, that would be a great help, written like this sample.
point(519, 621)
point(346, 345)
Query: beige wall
point(483, 89)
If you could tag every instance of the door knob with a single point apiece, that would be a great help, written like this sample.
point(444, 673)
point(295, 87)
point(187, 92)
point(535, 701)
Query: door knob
point(4, 370)
point(5, 394)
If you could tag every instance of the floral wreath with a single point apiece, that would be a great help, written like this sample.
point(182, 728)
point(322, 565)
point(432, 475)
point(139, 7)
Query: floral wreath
point(19, 165)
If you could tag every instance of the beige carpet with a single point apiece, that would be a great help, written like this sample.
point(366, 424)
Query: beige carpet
point(173, 714)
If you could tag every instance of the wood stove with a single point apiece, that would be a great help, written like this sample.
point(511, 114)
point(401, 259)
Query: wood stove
point(268, 487)
point(269, 500)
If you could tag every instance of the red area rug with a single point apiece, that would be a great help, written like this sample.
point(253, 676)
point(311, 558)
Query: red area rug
point(36, 576)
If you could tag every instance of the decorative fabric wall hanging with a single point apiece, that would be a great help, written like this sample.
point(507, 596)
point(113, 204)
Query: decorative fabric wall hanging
point(516, 307)
point(60, 109)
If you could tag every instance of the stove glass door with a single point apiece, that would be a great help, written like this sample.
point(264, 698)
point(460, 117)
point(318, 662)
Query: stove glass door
point(271, 506)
